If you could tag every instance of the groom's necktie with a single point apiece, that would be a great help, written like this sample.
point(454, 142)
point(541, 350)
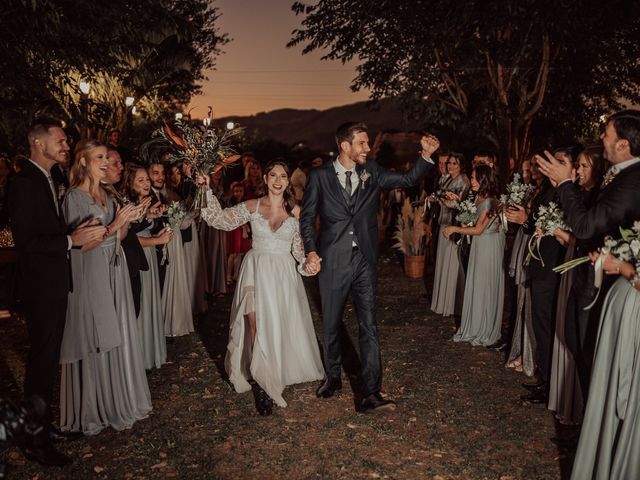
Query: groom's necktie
point(347, 183)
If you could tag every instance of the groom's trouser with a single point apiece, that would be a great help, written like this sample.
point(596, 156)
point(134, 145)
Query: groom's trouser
point(359, 278)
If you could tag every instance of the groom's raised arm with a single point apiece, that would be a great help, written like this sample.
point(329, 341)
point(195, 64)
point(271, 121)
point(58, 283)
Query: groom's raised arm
point(310, 202)
point(388, 179)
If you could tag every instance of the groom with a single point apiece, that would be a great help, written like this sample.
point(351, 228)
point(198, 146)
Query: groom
point(345, 193)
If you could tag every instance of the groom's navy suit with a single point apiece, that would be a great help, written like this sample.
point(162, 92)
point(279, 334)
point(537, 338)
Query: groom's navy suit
point(346, 221)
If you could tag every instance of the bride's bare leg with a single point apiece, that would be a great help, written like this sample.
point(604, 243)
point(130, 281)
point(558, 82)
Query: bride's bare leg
point(251, 317)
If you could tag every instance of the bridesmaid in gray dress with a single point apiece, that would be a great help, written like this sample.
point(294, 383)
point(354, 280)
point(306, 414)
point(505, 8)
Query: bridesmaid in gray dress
point(137, 186)
point(481, 319)
point(448, 271)
point(610, 437)
point(103, 379)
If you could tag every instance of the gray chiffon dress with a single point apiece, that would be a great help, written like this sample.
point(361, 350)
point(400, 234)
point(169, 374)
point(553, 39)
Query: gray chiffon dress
point(481, 320)
point(103, 378)
point(523, 342)
point(609, 446)
point(448, 279)
point(150, 319)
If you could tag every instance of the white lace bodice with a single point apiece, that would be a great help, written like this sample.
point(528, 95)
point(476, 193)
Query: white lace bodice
point(286, 239)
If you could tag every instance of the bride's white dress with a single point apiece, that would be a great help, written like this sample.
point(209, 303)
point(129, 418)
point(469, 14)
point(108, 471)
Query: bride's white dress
point(285, 350)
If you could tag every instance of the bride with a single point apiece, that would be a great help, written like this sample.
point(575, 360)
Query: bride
point(271, 340)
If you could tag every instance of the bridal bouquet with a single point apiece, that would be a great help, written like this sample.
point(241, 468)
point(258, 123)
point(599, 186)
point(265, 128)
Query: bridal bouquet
point(624, 249)
point(549, 218)
point(410, 229)
point(202, 147)
point(172, 217)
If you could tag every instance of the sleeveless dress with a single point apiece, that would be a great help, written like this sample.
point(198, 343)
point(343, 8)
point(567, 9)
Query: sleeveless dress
point(103, 379)
point(481, 319)
point(285, 350)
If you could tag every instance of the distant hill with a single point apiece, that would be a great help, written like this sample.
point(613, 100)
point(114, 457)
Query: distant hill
point(316, 128)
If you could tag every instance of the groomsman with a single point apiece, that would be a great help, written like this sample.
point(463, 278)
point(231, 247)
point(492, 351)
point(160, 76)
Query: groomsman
point(617, 204)
point(42, 244)
point(157, 175)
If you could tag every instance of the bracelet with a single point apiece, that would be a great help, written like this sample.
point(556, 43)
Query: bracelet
point(107, 231)
point(635, 279)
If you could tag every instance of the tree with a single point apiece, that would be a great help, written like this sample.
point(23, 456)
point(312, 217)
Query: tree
point(155, 51)
point(500, 69)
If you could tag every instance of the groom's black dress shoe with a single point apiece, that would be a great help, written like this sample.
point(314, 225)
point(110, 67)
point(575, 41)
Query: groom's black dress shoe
point(500, 346)
point(46, 455)
point(374, 403)
point(329, 387)
point(56, 435)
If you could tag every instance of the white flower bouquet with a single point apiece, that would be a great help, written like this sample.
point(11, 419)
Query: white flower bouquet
point(172, 218)
point(550, 217)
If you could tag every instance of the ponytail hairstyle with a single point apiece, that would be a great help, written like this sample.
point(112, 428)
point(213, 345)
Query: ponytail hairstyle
point(288, 195)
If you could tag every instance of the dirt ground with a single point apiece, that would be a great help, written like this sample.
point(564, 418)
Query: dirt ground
point(459, 415)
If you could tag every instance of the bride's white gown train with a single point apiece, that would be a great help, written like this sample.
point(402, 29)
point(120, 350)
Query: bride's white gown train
point(285, 350)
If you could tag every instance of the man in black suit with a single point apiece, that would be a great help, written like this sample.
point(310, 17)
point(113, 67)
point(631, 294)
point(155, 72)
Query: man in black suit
point(42, 244)
point(345, 193)
point(157, 175)
point(617, 205)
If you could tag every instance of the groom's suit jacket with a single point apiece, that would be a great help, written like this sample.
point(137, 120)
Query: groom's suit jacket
point(340, 215)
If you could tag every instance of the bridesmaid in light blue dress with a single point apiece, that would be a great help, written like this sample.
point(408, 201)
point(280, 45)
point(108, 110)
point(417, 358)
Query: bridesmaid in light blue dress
point(481, 319)
point(103, 378)
point(448, 279)
point(610, 435)
point(137, 187)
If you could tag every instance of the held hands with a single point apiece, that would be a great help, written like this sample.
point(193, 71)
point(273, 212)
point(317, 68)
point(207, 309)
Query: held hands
point(429, 144)
point(88, 232)
point(312, 264)
point(556, 171)
point(452, 196)
point(156, 210)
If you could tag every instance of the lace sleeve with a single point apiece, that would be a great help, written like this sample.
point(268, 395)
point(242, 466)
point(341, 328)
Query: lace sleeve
point(297, 249)
point(224, 218)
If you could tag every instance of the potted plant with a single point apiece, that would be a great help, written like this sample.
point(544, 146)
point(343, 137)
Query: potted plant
point(412, 234)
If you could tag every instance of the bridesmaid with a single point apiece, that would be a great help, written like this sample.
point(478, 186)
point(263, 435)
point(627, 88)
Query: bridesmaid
point(176, 296)
point(103, 379)
point(481, 319)
point(137, 187)
point(522, 352)
point(610, 438)
point(214, 246)
point(447, 270)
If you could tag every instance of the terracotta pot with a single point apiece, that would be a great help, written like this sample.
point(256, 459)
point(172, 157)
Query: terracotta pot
point(414, 266)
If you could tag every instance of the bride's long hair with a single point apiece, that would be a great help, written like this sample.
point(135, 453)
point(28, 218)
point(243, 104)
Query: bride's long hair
point(288, 196)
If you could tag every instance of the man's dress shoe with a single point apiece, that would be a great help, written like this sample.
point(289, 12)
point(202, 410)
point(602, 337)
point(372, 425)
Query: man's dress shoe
point(374, 403)
point(47, 455)
point(536, 396)
point(533, 386)
point(56, 435)
point(329, 388)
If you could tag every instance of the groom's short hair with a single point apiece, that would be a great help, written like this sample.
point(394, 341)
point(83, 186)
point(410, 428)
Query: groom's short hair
point(346, 131)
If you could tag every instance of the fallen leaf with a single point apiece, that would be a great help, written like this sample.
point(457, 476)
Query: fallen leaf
point(159, 465)
point(98, 469)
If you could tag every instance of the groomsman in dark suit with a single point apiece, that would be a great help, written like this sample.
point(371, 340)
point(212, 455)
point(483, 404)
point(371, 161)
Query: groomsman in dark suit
point(42, 243)
point(617, 205)
point(157, 175)
point(345, 193)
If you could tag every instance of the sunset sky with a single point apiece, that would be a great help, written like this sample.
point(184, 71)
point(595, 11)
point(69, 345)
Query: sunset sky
point(258, 73)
